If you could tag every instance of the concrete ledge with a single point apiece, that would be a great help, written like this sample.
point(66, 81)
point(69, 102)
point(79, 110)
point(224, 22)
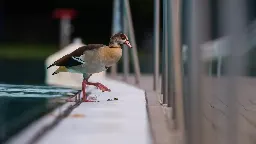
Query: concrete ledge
point(161, 125)
point(111, 122)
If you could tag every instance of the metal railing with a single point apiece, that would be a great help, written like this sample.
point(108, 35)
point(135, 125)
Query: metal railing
point(125, 25)
point(185, 93)
point(186, 30)
point(156, 44)
point(172, 71)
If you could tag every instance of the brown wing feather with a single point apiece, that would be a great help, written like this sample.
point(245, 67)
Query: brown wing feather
point(67, 59)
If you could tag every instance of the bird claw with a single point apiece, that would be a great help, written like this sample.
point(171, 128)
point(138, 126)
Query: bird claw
point(102, 87)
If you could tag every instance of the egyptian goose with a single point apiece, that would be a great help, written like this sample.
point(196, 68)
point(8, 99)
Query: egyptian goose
point(92, 58)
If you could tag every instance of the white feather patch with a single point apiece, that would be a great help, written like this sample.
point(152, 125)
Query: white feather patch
point(78, 59)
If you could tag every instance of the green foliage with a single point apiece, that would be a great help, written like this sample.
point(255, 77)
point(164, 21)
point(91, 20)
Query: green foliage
point(26, 51)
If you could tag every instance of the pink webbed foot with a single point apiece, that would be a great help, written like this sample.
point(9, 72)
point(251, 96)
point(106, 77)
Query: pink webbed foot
point(99, 86)
point(85, 98)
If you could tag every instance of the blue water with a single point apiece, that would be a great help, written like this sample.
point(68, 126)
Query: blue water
point(7, 90)
point(22, 104)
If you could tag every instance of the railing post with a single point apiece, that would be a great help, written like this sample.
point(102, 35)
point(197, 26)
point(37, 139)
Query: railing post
point(177, 67)
point(116, 27)
point(164, 60)
point(185, 41)
point(125, 48)
point(169, 51)
point(219, 63)
point(133, 42)
point(156, 44)
point(198, 34)
point(234, 23)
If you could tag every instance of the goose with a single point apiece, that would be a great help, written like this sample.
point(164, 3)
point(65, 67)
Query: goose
point(91, 59)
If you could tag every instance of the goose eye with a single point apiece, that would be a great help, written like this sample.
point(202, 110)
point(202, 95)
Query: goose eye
point(123, 37)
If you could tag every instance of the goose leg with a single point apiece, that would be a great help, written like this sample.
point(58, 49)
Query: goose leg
point(84, 99)
point(99, 86)
point(83, 92)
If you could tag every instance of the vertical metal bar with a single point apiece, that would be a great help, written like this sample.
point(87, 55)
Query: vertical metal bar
point(219, 63)
point(199, 33)
point(185, 41)
point(170, 66)
point(125, 48)
point(210, 67)
point(116, 27)
point(164, 55)
point(177, 66)
point(156, 44)
point(234, 24)
point(133, 42)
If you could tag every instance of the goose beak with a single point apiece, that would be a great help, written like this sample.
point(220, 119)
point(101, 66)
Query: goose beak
point(128, 43)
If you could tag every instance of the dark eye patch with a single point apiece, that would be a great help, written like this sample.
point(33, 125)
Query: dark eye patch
point(123, 37)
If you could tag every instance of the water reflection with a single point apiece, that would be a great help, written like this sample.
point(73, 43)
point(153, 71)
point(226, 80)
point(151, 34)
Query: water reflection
point(21, 104)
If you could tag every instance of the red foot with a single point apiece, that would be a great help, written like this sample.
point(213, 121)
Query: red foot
point(102, 87)
point(99, 86)
point(84, 99)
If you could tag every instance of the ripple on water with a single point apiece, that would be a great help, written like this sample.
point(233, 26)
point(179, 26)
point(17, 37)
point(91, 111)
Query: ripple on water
point(10, 90)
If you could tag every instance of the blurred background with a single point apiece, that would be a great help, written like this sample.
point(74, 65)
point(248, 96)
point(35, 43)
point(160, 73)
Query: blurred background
point(29, 33)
